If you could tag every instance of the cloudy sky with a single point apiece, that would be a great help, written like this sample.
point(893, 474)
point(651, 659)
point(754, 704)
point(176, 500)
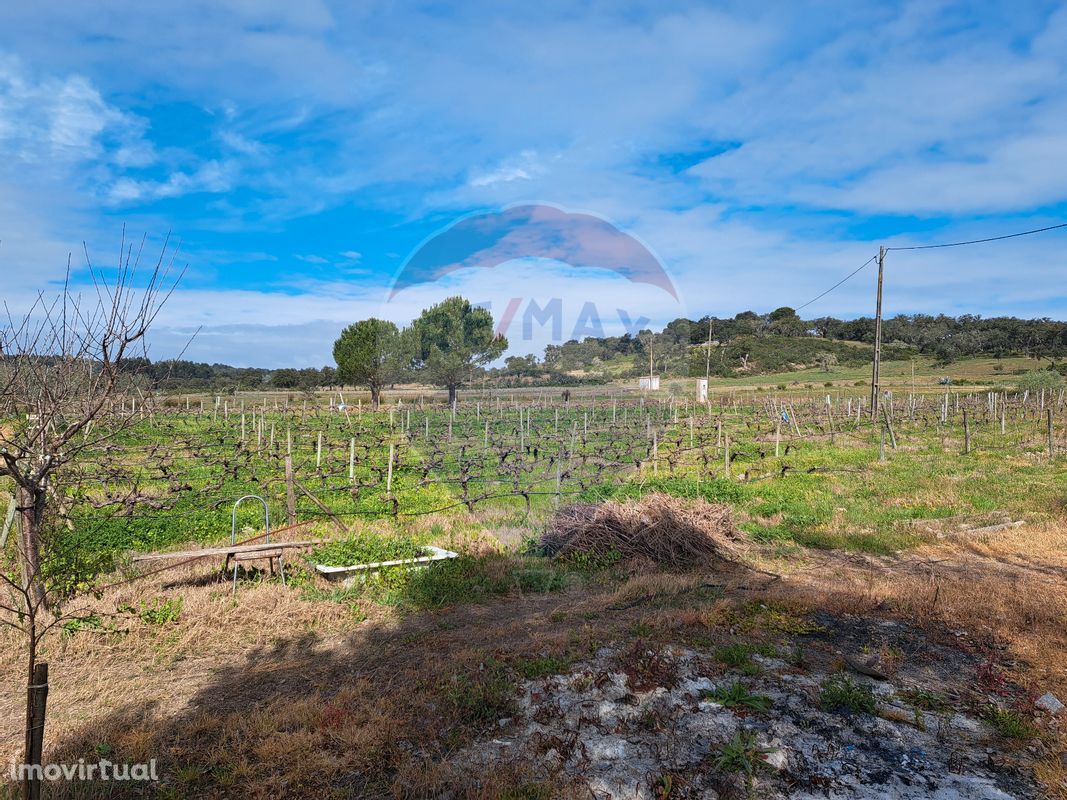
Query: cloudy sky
point(302, 152)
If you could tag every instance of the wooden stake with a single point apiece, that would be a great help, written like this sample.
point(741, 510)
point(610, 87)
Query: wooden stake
point(37, 704)
point(290, 494)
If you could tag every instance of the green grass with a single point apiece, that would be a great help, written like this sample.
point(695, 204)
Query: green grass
point(841, 694)
point(739, 656)
point(1007, 723)
point(473, 579)
point(161, 611)
point(541, 666)
point(737, 695)
point(742, 754)
point(366, 548)
point(483, 695)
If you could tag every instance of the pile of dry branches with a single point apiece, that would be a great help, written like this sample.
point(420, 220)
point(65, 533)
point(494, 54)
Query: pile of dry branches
point(672, 532)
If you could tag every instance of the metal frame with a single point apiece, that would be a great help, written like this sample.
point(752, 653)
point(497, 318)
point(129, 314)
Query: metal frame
point(266, 538)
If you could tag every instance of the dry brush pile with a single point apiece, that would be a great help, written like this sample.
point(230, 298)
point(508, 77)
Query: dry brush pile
point(674, 533)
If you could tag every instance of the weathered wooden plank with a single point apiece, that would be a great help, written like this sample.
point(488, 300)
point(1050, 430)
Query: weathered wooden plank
point(226, 551)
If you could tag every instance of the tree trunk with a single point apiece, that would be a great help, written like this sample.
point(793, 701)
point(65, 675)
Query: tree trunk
point(31, 506)
point(451, 393)
point(375, 396)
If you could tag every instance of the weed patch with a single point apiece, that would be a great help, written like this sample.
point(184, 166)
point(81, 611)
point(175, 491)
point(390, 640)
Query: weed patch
point(737, 695)
point(841, 694)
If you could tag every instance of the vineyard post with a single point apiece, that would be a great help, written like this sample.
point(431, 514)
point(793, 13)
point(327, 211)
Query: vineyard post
point(290, 493)
point(389, 476)
point(726, 456)
point(318, 452)
point(777, 437)
point(966, 432)
point(559, 473)
point(351, 459)
point(889, 427)
point(36, 704)
point(1051, 449)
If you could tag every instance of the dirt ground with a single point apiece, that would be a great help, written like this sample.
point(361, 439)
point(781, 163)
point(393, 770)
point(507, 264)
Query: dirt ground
point(269, 695)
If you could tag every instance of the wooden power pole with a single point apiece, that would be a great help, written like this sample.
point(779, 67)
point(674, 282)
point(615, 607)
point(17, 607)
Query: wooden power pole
point(707, 366)
point(877, 338)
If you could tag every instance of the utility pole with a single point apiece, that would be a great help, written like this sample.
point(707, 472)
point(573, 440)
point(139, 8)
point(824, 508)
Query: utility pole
point(707, 366)
point(877, 338)
point(650, 335)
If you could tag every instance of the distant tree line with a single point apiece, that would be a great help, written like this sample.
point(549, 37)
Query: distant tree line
point(192, 376)
point(453, 343)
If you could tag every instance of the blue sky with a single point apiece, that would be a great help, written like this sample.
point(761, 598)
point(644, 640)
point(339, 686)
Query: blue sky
point(302, 151)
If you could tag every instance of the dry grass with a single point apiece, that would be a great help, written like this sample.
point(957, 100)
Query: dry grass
point(674, 533)
point(269, 695)
point(278, 696)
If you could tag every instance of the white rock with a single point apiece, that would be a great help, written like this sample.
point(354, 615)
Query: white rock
point(1050, 703)
point(777, 759)
point(968, 724)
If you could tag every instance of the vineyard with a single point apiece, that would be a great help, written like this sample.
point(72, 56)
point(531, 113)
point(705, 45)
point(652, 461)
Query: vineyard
point(173, 477)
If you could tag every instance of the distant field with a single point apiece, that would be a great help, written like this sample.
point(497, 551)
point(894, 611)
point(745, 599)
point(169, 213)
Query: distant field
point(986, 371)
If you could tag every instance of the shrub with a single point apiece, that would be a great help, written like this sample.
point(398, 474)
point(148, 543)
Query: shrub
point(1036, 380)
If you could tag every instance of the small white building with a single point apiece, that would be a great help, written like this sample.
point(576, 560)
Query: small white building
point(650, 383)
point(702, 390)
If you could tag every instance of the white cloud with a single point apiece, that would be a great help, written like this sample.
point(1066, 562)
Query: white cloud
point(51, 123)
point(211, 176)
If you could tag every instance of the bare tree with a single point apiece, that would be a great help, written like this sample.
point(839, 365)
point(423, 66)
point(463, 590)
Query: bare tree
point(64, 391)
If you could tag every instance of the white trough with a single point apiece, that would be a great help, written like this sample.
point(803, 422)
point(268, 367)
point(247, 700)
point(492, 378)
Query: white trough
point(359, 572)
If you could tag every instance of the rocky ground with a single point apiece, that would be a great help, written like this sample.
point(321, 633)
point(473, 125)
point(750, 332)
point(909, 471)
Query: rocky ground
point(817, 715)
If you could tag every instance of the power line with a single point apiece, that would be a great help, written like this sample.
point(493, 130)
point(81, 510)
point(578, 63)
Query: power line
point(933, 247)
point(981, 241)
point(854, 272)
